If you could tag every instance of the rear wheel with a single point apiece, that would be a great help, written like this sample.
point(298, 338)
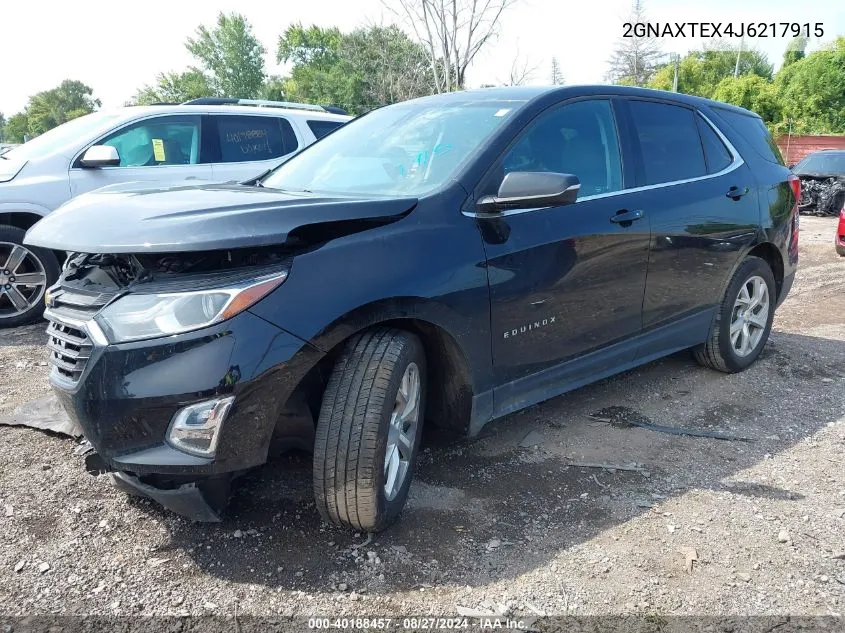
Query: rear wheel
point(742, 325)
point(369, 430)
point(25, 274)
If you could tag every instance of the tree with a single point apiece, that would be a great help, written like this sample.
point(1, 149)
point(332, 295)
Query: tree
point(557, 74)
point(795, 50)
point(50, 108)
point(635, 59)
point(699, 72)
point(366, 68)
point(451, 32)
point(232, 55)
point(274, 88)
point(175, 87)
point(389, 66)
point(811, 91)
point(17, 128)
point(2, 127)
point(317, 75)
point(753, 93)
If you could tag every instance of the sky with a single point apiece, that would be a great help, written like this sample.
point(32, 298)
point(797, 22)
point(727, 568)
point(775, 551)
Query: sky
point(116, 47)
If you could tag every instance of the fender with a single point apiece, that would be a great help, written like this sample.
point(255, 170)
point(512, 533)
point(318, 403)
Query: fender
point(23, 207)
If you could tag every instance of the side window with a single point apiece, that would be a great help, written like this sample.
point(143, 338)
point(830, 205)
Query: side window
point(578, 138)
point(669, 141)
point(322, 128)
point(755, 133)
point(251, 138)
point(166, 140)
point(717, 155)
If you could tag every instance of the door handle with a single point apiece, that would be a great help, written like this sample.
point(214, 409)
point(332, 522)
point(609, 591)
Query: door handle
point(624, 216)
point(735, 193)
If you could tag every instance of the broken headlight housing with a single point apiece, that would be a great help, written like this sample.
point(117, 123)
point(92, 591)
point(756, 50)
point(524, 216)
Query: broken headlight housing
point(135, 317)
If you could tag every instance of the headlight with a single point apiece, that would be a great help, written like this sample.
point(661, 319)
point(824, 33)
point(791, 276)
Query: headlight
point(141, 316)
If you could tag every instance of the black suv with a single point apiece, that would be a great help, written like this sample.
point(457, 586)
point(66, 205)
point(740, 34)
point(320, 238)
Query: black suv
point(451, 259)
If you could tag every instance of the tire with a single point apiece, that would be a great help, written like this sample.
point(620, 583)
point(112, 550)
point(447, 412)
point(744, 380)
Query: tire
point(36, 261)
point(354, 429)
point(722, 353)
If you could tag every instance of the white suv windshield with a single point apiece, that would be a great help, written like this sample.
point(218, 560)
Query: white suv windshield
point(403, 149)
point(75, 131)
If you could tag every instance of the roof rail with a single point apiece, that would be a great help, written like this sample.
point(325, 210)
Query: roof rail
point(256, 102)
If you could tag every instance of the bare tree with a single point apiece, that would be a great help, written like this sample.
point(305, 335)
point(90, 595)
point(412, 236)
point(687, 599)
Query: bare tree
point(635, 59)
point(452, 33)
point(522, 71)
point(557, 74)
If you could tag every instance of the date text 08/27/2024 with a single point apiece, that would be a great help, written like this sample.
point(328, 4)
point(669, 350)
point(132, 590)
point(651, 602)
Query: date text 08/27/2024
point(722, 29)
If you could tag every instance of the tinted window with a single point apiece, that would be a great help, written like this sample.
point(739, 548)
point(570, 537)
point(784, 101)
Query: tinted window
point(671, 147)
point(321, 128)
point(754, 132)
point(718, 156)
point(250, 138)
point(579, 138)
point(166, 140)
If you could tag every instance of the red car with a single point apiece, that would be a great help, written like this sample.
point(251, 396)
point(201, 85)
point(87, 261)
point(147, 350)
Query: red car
point(839, 239)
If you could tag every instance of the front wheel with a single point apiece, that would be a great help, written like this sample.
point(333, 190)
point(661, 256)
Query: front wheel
point(25, 274)
point(369, 430)
point(742, 325)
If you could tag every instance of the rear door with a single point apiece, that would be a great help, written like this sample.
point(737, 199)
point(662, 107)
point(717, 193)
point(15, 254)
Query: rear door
point(162, 149)
point(569, 280)
point(242, 146)
point(701, 199)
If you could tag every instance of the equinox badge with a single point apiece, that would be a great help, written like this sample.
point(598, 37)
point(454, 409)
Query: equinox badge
point(522, 329)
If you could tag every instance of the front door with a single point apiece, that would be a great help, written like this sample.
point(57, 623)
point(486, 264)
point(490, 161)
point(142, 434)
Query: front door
point(564, 281)
point(163, 149)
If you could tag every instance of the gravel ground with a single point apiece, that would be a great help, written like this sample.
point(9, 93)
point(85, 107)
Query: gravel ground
point(501, 523)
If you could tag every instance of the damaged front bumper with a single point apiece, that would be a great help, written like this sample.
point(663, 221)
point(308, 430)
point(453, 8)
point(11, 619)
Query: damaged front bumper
point(194, 500)
point(821, 195)
point(124, 397)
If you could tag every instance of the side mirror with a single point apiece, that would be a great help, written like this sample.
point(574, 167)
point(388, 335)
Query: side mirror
point(531, 189)
point(100, 156)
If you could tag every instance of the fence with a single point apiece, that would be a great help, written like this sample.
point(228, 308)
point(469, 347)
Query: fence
point(794, 148)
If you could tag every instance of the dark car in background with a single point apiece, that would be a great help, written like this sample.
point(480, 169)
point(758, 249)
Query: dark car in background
point(447, 260)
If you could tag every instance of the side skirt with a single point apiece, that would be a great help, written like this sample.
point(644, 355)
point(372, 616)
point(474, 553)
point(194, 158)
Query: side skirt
point(662, 341)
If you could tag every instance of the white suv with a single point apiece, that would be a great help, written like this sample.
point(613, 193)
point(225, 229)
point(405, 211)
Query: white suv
point(211, 139)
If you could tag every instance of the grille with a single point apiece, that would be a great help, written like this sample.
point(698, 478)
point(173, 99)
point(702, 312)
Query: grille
point(69, 348)
point(69, 344)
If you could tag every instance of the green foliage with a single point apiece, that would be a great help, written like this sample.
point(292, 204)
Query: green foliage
point(175, 87)
point(812, 91)
point(359, 70)
point(232, 56)
point(274, 88)
point(753, 93)
point(699, 72)
point(2, 127)
point(17, 127)
point(50, 108)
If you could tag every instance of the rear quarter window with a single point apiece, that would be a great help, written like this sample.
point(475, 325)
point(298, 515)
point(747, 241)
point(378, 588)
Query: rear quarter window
point(322, 128)
point(754, 132)
point(252, 138)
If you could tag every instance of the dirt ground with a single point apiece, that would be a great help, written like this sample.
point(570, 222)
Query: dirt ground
point(699, 526)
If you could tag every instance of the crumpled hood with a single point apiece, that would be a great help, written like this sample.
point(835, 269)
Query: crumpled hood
point(133, 218)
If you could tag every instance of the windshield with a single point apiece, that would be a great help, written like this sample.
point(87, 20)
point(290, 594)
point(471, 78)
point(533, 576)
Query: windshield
point(403, 149)
point(77, 130)
point(822, 164)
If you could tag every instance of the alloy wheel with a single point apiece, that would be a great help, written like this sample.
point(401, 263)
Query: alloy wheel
point(402, 432)
point(22, 280)
point(750, 316)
